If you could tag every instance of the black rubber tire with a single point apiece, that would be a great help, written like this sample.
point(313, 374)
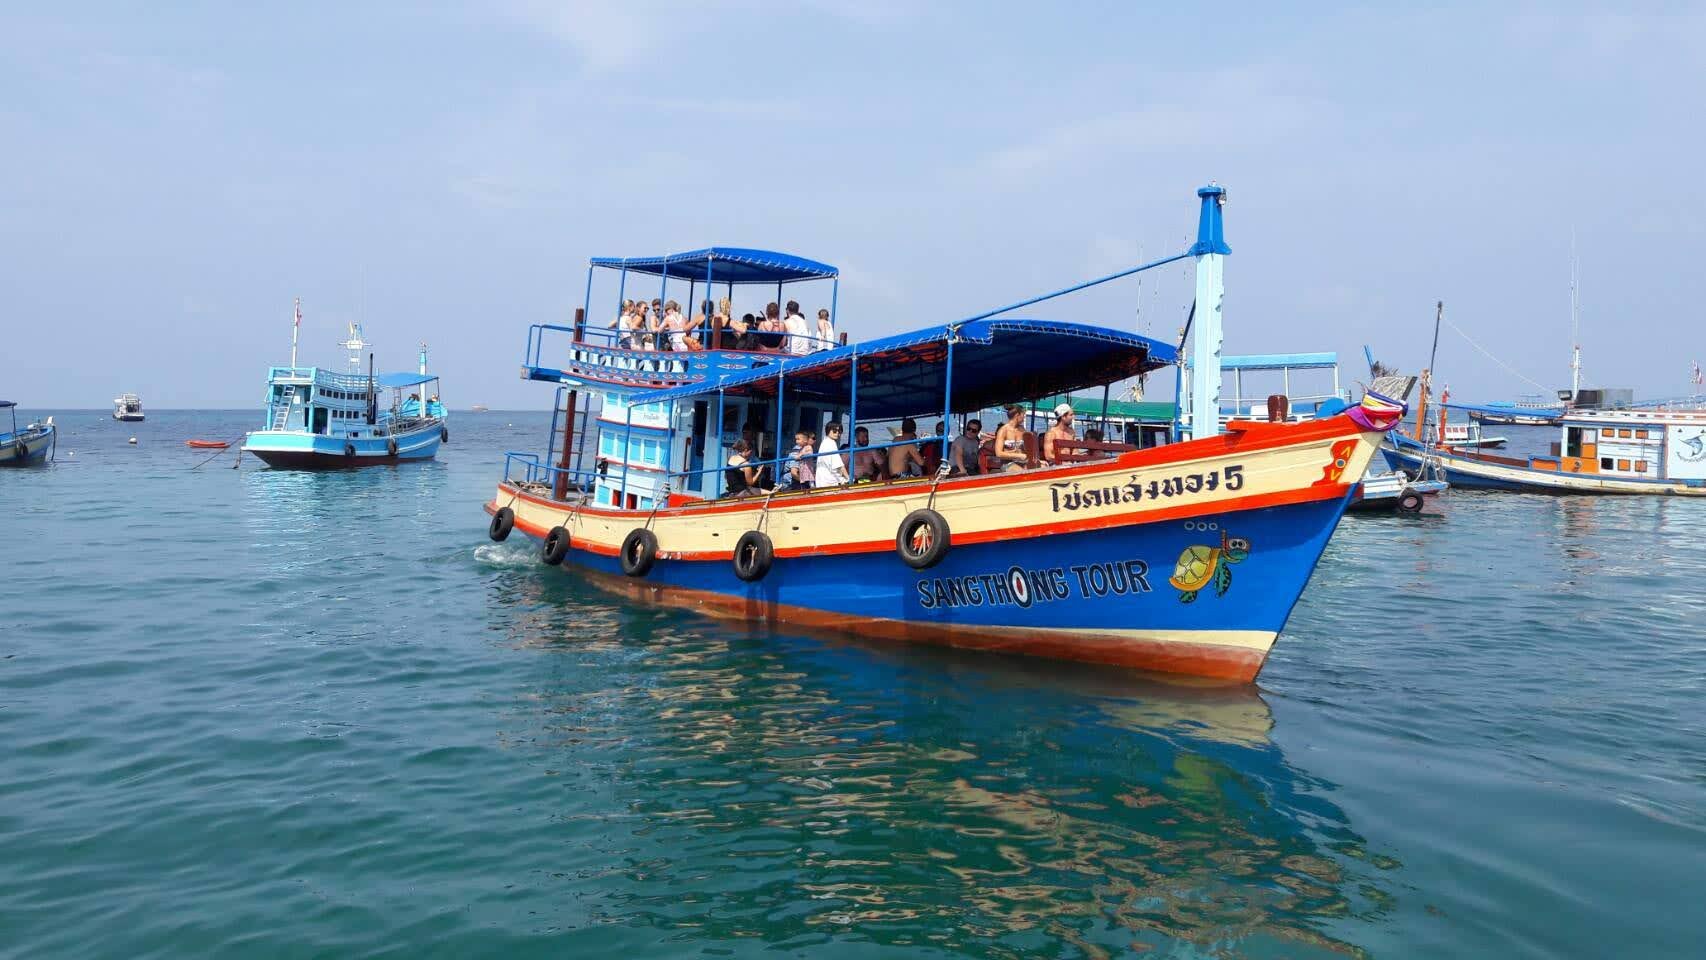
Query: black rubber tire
point(349, 451)
point(1409, 502)
point(928, 526)
point(443, 434)
point(639, 552)
point(753, 556)
point(22, 450)
point(391, 447)
point(502, 523)
point(556, 546)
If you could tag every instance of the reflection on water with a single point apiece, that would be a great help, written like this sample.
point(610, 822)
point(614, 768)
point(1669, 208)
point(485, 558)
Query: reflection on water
point(793, 790)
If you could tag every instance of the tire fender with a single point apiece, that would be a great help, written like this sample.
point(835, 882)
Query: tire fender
point(923, 539)
point(502, 523)
point(556, 546)
point(639, 552)
point(753, 557)
point(391, 447)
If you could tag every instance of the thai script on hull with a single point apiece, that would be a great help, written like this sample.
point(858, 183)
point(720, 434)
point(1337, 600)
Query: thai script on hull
point(1072, 495)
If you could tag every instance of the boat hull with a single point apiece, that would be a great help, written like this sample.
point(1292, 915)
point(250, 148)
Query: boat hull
point(1195, 584)
point(286, 450)
point(1480, 473)
point(26, 451)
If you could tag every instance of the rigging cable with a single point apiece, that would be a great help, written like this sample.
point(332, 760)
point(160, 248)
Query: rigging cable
point(1488, 354)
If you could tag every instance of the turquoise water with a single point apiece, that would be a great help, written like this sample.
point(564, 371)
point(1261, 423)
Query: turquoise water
point(259, 714)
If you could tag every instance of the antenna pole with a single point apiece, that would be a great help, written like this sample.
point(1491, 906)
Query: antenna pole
point(1575, 325)
point(1428, 375)
point(295, 328)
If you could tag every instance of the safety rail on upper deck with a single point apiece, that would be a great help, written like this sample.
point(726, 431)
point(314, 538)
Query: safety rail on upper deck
point(319, 376)
point(603, 356)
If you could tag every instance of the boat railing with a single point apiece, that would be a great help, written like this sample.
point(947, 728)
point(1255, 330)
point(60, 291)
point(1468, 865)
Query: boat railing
point(525, 470)
point(651, 354)
point(779, 464)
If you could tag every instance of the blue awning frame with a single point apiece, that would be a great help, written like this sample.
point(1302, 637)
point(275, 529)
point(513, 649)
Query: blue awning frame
point(994, 361)
point(733, 266)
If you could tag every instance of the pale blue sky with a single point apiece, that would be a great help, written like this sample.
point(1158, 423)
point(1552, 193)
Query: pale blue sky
point(173, 174)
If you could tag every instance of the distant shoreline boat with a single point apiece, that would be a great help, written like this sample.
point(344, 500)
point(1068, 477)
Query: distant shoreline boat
point(128, 408)
point(478, 408)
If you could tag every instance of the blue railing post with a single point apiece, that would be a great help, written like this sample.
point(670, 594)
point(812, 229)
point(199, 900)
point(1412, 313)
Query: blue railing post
point(621, 292)
point(717, 476)
point(853, 397)
point(627, 444)
point(776, 475)
point(586, 306)
point(834, 294)
point(947, 394)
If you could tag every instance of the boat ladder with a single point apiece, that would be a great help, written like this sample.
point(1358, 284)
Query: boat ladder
point(281, 410)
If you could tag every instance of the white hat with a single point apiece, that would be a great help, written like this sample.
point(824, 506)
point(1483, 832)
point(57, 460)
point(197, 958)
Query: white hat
point(1062, 410)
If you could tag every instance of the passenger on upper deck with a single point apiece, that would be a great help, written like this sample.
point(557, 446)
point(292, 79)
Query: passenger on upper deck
point(1010, 440)
point(799, 333)
point(904, 460)
point(1061, 431)
point(825, 330)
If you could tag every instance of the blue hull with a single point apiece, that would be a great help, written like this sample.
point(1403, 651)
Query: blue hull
point(303, 451)
point(1073, 595)
point(26, 448)
point(1405, 460)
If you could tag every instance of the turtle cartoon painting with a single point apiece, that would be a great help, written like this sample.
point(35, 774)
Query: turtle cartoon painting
point(1199, 566)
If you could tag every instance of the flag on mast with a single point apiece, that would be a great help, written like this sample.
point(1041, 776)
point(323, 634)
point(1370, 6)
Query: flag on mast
point(295, 327)
point(1697, 373)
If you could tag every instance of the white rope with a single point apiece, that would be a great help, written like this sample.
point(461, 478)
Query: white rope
point(1484, 352)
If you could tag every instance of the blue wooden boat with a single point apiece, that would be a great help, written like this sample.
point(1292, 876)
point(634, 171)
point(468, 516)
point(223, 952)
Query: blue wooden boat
point(1185, 557)
point(319, 419)
point(27, 447)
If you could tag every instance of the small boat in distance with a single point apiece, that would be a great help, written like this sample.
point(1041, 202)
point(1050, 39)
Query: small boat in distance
point(128, 408)
point(318, 419)
point(1529, 411)
point(207, 444)
point(27, 447)
point(478, 408)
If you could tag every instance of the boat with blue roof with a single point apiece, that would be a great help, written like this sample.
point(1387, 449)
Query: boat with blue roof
point(320, 419)
point(29, 446)
point(1184, 556)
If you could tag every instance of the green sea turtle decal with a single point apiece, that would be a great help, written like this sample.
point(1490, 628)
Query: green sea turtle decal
point(1199, 566)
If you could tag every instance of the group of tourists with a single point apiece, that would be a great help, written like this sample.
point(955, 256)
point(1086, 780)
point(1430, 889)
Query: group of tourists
point(661, 325)
point(812, 463)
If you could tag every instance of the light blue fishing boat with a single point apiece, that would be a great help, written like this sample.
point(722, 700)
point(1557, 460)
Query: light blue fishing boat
point(319, 419)
point(27, 447)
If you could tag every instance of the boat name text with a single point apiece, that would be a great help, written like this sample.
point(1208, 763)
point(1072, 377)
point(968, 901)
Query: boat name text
point(1020, 587)
point(1071, 495)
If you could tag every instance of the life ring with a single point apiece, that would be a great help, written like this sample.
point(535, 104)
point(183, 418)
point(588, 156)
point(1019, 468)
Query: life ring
point(753, 556)
point(391, 447)
point(502, 523)
point(443, 434)
point(556, 546)
point(639, 552)
point(1409, 502)
point(349, 451)
point(922, 540)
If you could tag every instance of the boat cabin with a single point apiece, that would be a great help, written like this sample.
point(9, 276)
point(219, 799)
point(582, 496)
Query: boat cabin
point(1637, 444)
point(320, 402)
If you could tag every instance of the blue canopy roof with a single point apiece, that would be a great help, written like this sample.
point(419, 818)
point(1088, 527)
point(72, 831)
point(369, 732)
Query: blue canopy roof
point(727, 265)
point(995, 361)
point(1281, 361)
point(6, 403)
point(405, 379)
point(1507, 408)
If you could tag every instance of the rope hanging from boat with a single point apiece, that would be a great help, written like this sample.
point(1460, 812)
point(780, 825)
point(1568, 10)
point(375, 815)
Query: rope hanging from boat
point(1489, 355)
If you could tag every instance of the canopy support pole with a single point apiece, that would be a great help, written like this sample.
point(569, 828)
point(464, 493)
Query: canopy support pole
point(834, 295)
point(621, 295)
point(560, 487)
point(947, 396)
point(586, 306)
point(1106, 388)
point(853, 399)
point(713, 335)
point(776, 474)
point(627, 448)
point(717, 445)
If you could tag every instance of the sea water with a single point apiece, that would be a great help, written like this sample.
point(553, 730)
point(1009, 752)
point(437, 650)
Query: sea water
point(269, 714)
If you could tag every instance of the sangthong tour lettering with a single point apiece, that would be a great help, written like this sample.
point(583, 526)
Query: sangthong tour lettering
point(1022, 587)
point(1071, 495)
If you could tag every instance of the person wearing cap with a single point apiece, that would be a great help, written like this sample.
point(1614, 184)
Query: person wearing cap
point(1061, 432)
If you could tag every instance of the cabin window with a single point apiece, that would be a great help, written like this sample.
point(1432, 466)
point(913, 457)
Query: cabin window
point(1623, 465)
point(1624, 432)
point(1640, 434)
point(1605, 463)
point(1640, 466)
point(1573, 441)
